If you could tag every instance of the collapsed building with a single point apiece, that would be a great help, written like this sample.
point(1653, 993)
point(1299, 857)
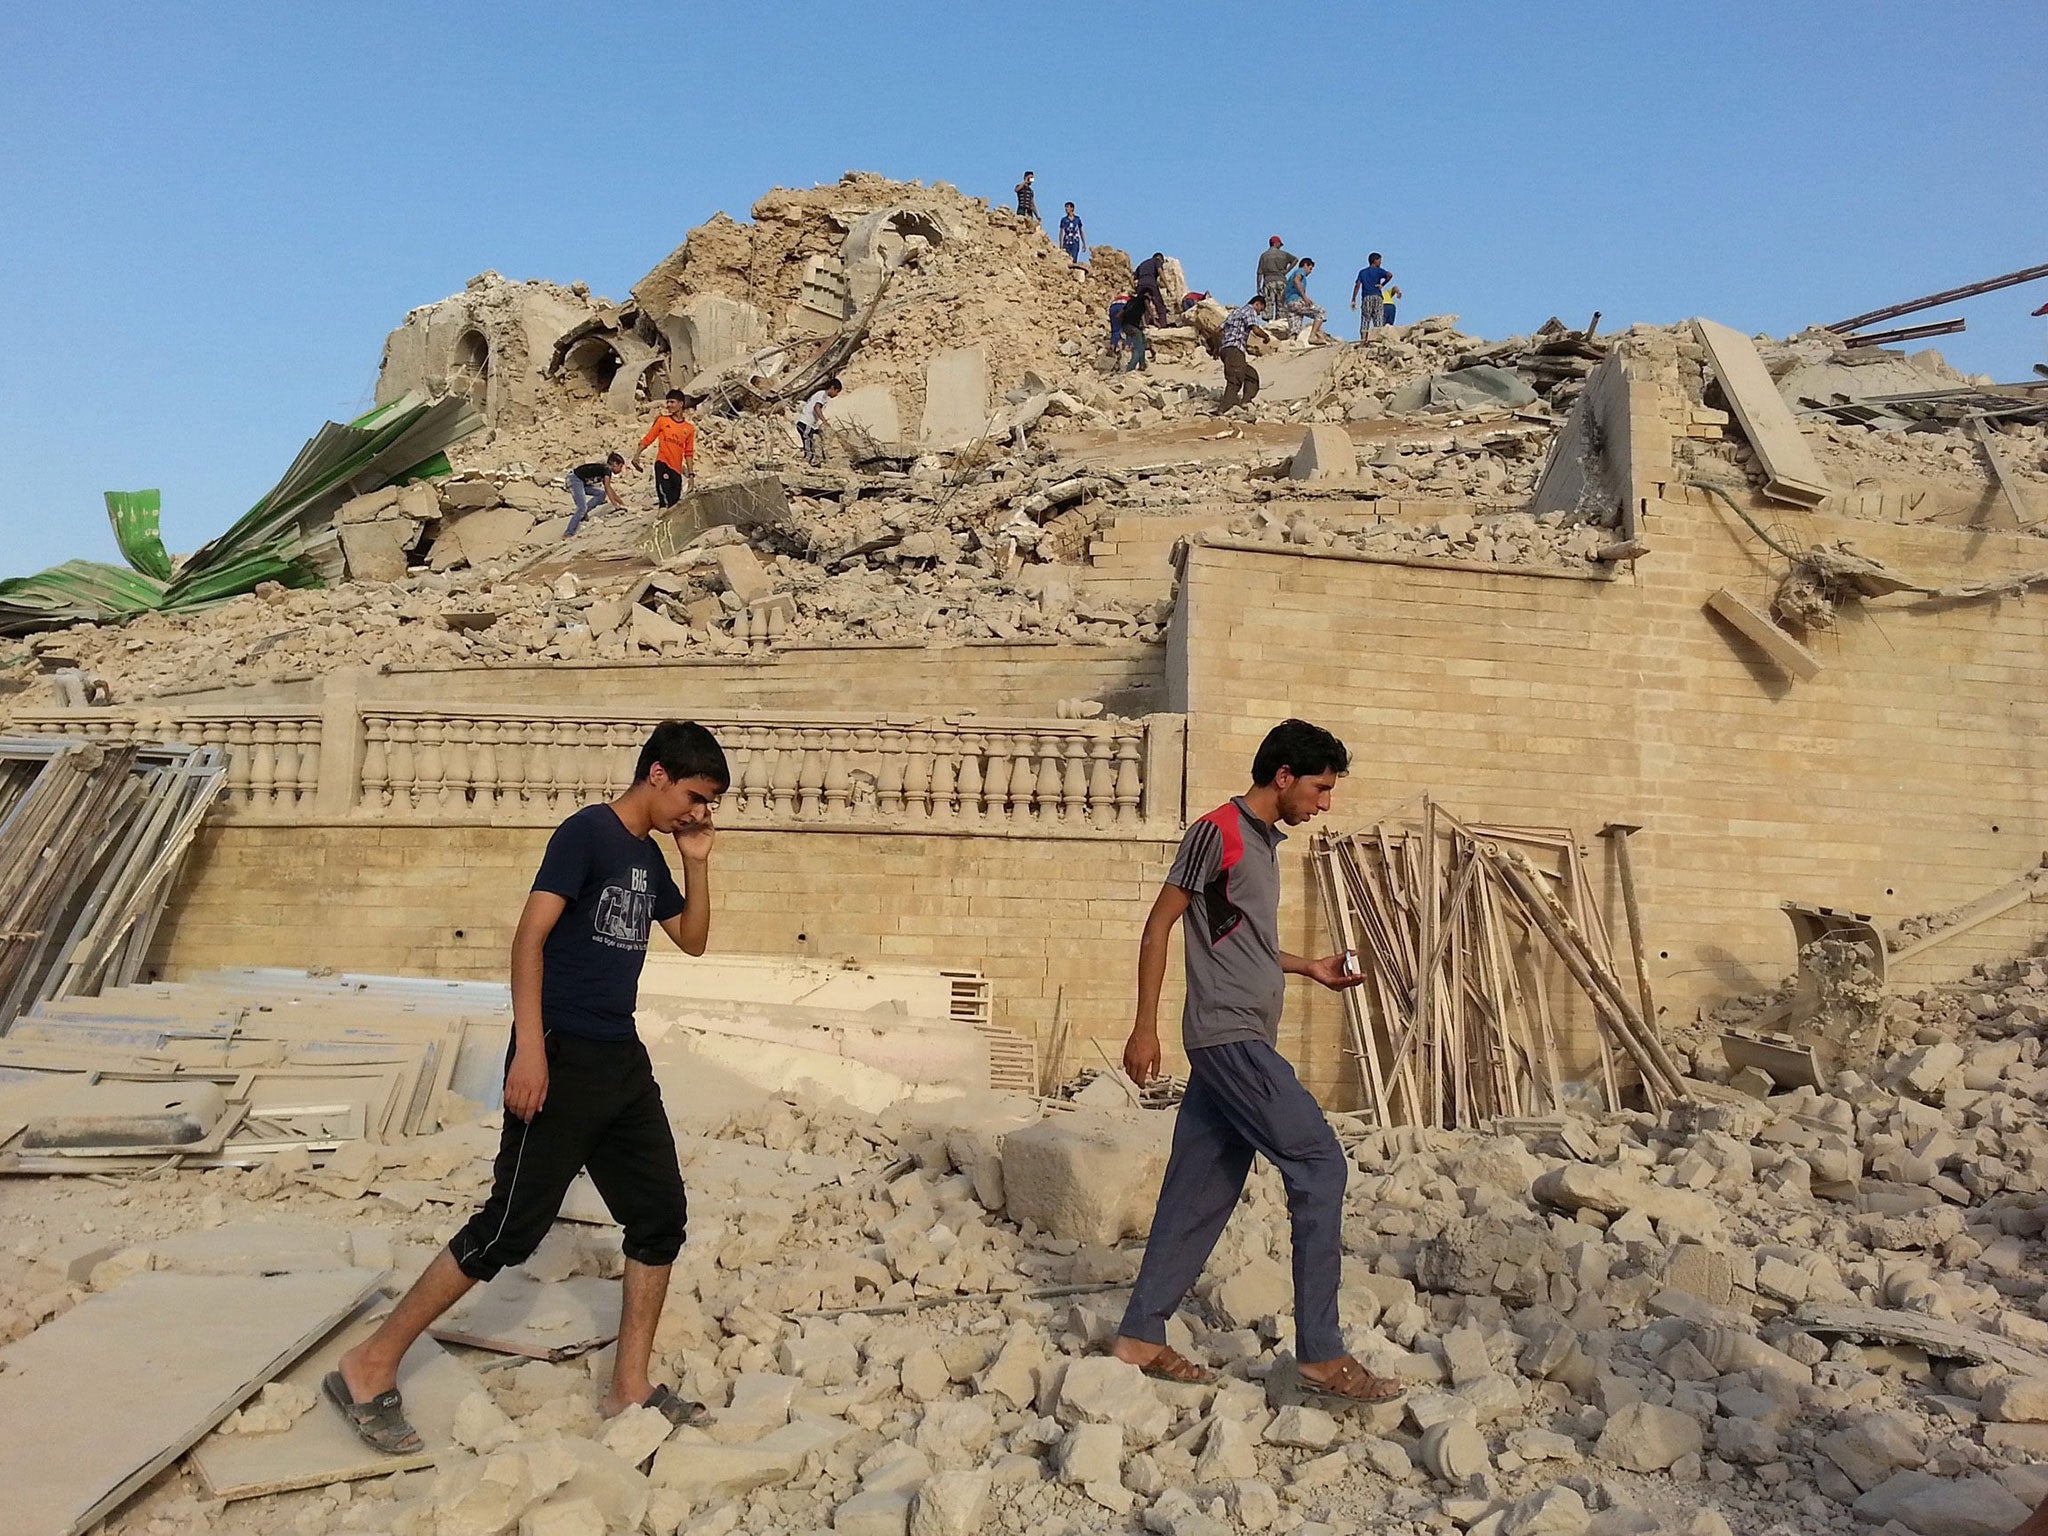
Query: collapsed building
point(1753, 608)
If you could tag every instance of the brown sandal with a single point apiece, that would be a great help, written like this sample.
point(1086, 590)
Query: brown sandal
point(1352, 1387)
point(1171, 1365)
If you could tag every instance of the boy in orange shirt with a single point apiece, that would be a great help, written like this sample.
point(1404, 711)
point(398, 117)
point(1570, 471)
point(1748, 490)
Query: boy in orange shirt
point(675, 454)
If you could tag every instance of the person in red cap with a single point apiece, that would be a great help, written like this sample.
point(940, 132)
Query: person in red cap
point(1274, 265)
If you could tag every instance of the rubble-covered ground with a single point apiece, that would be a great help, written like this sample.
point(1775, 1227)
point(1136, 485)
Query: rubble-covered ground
point(1816, 1312)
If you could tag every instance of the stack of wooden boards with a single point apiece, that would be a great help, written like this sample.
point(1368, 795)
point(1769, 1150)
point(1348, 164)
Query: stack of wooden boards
point(91, 839)
point(1474, 940)
point(229, 1069)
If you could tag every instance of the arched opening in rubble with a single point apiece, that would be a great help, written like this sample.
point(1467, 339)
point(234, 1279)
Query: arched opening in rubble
point(590, 365)
point(469, 370)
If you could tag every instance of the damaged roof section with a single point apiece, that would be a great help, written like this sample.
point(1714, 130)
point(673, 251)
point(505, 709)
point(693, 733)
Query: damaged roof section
point(287, 537)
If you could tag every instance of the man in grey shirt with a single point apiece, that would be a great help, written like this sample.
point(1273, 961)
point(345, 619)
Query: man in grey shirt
point(1243, 1099)
point(1275, 262)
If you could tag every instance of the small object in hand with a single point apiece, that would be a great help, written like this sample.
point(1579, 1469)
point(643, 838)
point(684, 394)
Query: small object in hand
point(1351, 962)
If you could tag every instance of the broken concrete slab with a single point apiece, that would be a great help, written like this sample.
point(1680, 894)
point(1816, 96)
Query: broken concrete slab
point(701, 1468)
point(255, 1248)
point(1326, 453)
point(755, 502)
point(1794, 474)
point(320, 1449)
point(869, 412)
point(744, 574)
point(182, 1366)
point(956, 388)
point(1785, 652)
point(479, 537)
point(518, 1315)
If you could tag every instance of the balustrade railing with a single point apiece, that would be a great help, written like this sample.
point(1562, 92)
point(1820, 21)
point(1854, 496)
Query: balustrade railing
point(411, 762)
point(273, 760)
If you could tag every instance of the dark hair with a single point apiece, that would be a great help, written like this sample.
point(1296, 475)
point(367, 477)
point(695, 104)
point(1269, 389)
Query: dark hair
point(1257, 298)
point(834, 384)
point(1070, 205)
point(1306, 261)
point(674, 394)
point(1306, 749)
point(615, 458)
point(1374, 256)
point(685, 750)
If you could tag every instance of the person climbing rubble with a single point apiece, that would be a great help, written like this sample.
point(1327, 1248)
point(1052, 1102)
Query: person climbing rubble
point(1368, 293)
point(1027, 197)
point(1243, 1100)
point(1274, 265)
point(1240, 378)
point(580, 1091)
point(675, 453)
point(1301, 307)
point(810, 420)
point(590, 485)
point(1145, 289)
point(1134, 334)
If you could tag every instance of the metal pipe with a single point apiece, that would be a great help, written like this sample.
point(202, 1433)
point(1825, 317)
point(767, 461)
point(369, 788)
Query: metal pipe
point(1967, 291)
point(1907, 333)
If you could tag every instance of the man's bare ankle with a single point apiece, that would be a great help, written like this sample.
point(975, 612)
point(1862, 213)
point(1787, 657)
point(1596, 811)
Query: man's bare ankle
point(1134, 1351)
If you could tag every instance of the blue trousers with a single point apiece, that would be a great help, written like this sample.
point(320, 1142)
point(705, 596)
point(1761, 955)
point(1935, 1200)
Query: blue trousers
point(1244, 1099)
point(585, 497)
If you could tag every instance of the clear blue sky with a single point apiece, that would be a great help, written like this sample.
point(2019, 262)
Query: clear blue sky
point(215, 213)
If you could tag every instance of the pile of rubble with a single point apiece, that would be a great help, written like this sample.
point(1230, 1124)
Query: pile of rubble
point(1815, 1311)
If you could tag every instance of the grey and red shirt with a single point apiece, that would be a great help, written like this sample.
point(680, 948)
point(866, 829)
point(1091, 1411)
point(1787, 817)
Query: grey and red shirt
point(1229, 864)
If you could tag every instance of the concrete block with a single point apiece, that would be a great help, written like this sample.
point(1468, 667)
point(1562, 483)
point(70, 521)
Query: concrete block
point(870, 411)
point(1644, 1437)
point(1325, 453)
point(1939, 1506)
point(956, 393)
point(1086, 1176)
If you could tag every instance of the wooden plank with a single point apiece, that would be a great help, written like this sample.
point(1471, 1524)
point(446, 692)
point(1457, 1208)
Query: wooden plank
point(126, 1381)
point(1755, 625)
point(518, 1315)
point(1795, 475)
point(320, 1448)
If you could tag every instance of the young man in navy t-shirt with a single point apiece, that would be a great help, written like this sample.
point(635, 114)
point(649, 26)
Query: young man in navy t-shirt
point(579, 1089)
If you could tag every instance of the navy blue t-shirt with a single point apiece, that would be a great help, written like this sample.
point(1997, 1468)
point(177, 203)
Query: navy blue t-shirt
point(617, 886)
point(1373, 279)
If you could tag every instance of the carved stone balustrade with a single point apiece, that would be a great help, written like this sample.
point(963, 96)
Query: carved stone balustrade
point(415, 763)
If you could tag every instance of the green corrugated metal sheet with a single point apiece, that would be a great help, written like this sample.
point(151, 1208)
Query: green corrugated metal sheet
point(134, 516)
point(286, 537)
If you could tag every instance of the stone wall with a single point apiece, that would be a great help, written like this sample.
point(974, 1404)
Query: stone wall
point(1039, 916)
point(996, 678)
point(1905, 777)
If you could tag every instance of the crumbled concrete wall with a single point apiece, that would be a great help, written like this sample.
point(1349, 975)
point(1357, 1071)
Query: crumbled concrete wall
point(490, 342)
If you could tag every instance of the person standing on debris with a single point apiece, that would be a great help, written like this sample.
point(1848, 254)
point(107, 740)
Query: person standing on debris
point(1368, 294)
point(1243, 1100)
point(810, 420)
point(1145, 290)
point(591, 484)
point(1117, 306)
point(1072, 239)
point(580, 1092)
point(1274, 265)
point(1240, 378)
point(1301, 307)
point(1027, 197)
point(675, 453)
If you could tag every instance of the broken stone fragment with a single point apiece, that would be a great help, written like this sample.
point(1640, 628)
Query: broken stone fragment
point(1644, 1437)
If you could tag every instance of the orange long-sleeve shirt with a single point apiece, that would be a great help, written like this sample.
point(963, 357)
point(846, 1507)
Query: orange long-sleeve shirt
point(677, 442)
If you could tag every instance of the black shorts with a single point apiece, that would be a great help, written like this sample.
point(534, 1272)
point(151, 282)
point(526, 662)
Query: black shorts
point(668, 485)
point(604, 1113)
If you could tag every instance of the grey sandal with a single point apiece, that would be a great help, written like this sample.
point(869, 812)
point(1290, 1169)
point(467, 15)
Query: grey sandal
point(677, 1410)
point(379, 1423)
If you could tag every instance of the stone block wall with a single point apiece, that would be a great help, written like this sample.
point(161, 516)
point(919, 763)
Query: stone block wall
point(1906, 777)
point(1038, 915)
